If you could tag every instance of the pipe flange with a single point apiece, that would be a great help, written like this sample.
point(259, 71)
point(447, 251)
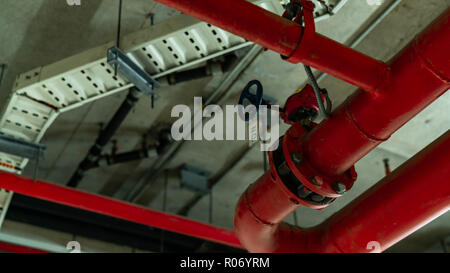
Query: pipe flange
point(297, 193)
point(312, 180)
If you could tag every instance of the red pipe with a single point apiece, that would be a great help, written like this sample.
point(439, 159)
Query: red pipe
point(410, 197)
point(107, 206)
point(367, 118)
point(12, 248)
point(415, 78)
point(419, 75)
point(403, 202)
point(271, 31)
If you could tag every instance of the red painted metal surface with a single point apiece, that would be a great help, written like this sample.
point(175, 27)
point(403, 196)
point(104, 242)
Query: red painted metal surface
point(287, 38)
point(303, 98)
point(411, 196)
point(407, 199)
point(12, 248)
point(392, 95)
point(419, 75)
point(107, 206)
point(401, 203)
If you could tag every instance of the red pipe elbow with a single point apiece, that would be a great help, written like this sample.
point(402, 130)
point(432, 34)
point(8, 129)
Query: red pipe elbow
point(402, 202)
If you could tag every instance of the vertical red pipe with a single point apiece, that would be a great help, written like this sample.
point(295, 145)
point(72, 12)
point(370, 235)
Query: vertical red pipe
point(271, 31)
point(410, 197)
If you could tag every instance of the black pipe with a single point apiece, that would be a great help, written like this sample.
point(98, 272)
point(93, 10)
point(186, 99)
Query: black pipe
point(109, 160)
point(189, 75)
point(203, 72)
point(164, 140)
point(127, 157)
point(3, 68)
point(229, 62)
point(105, 136)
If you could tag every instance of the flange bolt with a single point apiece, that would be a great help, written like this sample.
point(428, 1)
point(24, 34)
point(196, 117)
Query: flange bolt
point(339, 187)
point(296, 158)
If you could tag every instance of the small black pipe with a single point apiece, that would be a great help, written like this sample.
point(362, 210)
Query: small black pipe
point(3, 68)
point(164, 140)
point(202, 72)
point(230, 62)
point(105, 136)
point(127, 157)
point(189, 75)
point(109, 160)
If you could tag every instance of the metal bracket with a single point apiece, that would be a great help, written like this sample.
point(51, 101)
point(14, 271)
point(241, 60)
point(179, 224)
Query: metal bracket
point(32, 151)
point(21, 148)
point(306, 17)
point(195, 179)
point(130, 70)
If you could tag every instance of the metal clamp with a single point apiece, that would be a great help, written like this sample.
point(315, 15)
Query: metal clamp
point(195, 179)
point(309, 31)
point(130, 70)
point(21, 148)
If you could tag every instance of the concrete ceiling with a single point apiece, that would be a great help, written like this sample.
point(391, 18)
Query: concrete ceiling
point(48, 30)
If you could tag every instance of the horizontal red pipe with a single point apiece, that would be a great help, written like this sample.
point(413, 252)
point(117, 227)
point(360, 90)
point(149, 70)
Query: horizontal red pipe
point(107, 206)
point(245, 20)
point(12, 248)
point(274, 32)
point(408, 198)
point(419, 75)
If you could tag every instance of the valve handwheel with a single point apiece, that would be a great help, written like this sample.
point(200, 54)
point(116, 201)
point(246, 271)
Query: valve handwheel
point(249, 98)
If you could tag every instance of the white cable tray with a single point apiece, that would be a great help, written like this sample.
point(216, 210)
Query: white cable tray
point(40, 95)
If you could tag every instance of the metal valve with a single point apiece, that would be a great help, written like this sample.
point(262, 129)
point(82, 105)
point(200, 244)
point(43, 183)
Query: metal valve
point(301, 107)
point(252, 94)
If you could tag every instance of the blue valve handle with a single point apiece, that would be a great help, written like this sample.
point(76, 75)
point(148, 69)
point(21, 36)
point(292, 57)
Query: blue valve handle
point(254, 99)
